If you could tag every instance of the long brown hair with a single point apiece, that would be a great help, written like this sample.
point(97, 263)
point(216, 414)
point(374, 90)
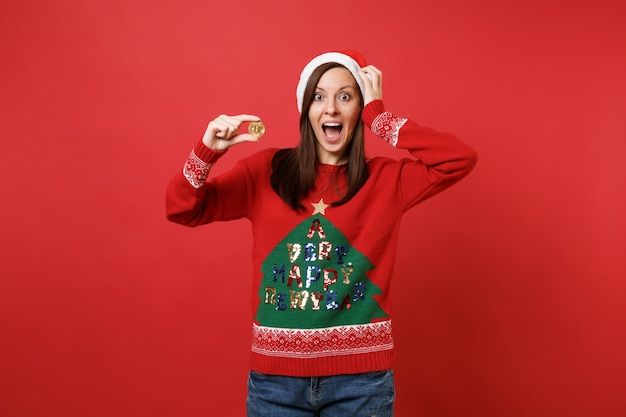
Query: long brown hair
point(294, 170)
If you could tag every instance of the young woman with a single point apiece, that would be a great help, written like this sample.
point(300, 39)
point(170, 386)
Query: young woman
point(325, 223)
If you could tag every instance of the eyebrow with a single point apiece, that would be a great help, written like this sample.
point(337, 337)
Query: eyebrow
point(340, 88)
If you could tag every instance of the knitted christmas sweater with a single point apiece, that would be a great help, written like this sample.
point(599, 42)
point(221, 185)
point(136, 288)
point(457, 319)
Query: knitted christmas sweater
point(321, 278)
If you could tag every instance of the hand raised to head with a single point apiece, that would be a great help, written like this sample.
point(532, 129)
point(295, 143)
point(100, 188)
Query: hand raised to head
point(373, 82)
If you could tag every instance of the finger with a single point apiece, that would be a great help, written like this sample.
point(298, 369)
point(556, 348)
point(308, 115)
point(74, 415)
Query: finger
point(372, 69)
point(370, 80)
point(225, 127)
point(373, 73)
point(219, 128)
point(373, 85)
point(374, 77)
point(246, 118)
point(232, 123)
point(229, 126)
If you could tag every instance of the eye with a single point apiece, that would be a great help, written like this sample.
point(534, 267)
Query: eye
point(317, 97)
point(344, 97)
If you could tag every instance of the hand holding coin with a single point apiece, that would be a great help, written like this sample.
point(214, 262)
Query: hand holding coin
point(223, 131)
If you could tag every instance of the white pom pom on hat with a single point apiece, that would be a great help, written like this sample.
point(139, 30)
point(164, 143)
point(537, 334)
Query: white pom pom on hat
point(350, 59)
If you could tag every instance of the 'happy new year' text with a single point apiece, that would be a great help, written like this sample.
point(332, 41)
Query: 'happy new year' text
point(310, 264)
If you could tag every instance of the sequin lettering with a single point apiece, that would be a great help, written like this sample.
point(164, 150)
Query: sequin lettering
point(281, 301)
point(270, 295)
point(341, 252)
point(346, 270)
point(319, 274)
point(316, 298)
point(324, 251)
point(330, 277)
point(316, 226)
point(313, 253)
point(331, 300)
point(359, 291)
point(312, 274)
point(310, 254)
point(294, 251)
point(279, 271)
point(345, 303)
point(298, 300)
point(294, 273)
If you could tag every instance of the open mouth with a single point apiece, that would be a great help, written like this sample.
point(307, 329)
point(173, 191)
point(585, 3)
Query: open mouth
point(332, 131)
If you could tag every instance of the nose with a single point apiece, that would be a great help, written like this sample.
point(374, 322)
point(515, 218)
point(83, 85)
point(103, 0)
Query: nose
point(330, 107)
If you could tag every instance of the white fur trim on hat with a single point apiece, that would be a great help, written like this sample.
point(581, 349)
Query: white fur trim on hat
point(337, 57)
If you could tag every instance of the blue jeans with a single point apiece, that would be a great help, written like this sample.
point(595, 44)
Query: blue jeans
point(362, 395)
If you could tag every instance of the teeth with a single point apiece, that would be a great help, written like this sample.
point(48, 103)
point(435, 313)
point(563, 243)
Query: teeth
point(332, 124)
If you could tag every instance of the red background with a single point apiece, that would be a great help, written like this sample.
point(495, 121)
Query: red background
point(512, 299)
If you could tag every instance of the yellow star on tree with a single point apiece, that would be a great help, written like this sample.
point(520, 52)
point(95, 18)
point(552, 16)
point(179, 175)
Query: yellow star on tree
point(320, 207)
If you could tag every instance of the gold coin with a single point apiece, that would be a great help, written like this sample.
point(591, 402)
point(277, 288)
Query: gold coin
point(256, 129)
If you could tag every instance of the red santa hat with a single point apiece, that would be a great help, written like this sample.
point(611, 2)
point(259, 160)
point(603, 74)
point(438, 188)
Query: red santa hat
point(352, 60)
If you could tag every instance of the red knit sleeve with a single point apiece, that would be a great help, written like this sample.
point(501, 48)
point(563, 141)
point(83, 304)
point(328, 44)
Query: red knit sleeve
point(439, 159)
point(192, 198)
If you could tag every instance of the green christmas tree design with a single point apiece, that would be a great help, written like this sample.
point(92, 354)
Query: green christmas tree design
point(314, 278)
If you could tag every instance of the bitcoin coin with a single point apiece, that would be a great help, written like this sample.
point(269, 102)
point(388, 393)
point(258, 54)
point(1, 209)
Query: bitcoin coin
point(256, 129)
